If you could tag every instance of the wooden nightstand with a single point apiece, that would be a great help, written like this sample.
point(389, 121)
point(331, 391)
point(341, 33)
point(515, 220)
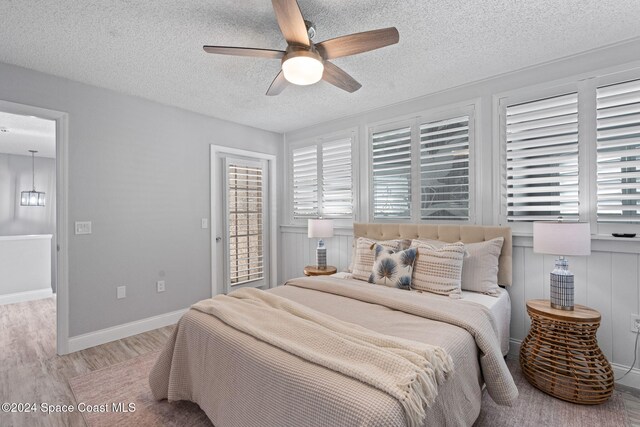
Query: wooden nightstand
point(561, 357)
point(313, 270)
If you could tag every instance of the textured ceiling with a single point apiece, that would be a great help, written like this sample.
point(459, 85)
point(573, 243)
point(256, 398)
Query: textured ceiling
point(154, 49)
point(19, 134)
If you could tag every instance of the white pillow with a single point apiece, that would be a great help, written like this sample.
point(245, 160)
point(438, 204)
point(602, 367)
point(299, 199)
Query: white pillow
point(480, 267)
point(439, 270)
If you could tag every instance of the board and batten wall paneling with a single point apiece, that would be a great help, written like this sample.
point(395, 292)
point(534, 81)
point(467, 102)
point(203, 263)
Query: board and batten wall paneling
point(300, 251)
point(607, 281)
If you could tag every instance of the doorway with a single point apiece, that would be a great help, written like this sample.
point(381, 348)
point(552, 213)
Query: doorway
point(243, 220)
point(28, 232)
point(42, 193)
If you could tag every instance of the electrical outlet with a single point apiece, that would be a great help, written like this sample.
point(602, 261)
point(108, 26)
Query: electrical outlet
point(204, 223)
point(635, 323)
point(121, 292)
point(160, 285)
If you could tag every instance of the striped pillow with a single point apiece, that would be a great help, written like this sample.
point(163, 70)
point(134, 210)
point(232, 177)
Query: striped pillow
point(364, 256)
point(480, 267)
point(439, 270)
point(394, 245)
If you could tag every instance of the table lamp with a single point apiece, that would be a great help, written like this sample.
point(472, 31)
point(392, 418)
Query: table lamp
point(562, 238)
point(321, 228)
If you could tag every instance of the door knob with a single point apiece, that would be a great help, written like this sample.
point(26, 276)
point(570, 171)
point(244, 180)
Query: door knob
point(218, 239)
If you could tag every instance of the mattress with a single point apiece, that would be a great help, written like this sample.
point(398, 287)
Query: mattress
point(499, 306)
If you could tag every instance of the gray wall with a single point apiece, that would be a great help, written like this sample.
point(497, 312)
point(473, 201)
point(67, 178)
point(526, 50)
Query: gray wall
point(140, 171)
point(15, 177)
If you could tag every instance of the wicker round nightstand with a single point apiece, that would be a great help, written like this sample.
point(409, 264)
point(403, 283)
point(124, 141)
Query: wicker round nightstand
point(561, 357)
point(313, 270)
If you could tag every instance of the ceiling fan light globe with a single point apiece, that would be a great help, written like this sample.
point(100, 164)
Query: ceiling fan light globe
point(302, 70)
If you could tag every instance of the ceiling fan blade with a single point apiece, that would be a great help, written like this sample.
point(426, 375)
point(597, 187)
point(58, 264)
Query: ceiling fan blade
point(277, 85)
point(244, 51)
point(358, 43)
point(339, 78)
point(291, 22)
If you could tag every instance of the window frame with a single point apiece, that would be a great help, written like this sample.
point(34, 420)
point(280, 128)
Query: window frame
point(585, 86)
point(606, 228)
point(318, 142)
point(520, 97)
point(469, 108)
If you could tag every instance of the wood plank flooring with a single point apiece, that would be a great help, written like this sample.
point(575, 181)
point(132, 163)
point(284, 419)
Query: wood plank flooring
point(30, 371)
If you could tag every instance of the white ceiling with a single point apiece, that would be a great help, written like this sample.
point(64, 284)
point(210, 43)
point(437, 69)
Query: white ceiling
point(154, 49)
point(24, 133)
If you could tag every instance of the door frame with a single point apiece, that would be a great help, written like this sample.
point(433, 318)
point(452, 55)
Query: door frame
point(62, 213)
point(215, 195)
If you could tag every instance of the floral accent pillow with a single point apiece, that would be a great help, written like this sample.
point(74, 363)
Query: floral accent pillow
point(393, 269)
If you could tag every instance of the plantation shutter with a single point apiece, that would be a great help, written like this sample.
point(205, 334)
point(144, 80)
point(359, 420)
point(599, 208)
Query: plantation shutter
point(391, 165)
point(618, 118)
point(246, 253)
point(337, 195)
point(305, 182)
point(444, 169)
point(542, 159)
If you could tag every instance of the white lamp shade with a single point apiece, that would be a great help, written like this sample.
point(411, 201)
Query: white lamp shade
point(320, 228)
point(562, 238)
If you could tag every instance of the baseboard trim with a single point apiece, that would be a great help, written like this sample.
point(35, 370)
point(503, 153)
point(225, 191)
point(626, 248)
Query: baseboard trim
point(103, 336)
point(26, 296)
point(631, 380)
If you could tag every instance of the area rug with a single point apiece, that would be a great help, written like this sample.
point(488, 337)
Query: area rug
point(126, 383)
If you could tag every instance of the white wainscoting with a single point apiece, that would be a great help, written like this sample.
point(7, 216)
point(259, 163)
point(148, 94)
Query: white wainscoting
point(608, 280)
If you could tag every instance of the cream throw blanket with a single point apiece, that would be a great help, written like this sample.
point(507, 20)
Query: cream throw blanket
point(406, 370)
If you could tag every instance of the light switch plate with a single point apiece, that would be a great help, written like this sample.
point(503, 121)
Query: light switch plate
point(83, 227)
point(121, 292)
point(160, 285)
point(205, 223)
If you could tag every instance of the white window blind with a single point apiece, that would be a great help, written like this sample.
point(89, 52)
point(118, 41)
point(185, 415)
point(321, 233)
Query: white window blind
point(619, 152)
point(444, 169)
point(305, 182)
point(542, 159)
point(337, 195)
point(391, 167)
point(245, 224)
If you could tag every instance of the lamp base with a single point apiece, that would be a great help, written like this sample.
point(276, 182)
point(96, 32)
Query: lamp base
point(562, 289)
point(321, 255)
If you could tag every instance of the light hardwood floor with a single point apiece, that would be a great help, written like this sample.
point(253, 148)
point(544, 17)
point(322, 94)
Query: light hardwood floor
point(30, 370)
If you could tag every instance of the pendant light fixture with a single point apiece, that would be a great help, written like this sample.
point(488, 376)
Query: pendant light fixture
point(33, 197)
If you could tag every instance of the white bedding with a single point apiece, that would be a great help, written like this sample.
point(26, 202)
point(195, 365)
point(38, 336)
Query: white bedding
point(499, 306)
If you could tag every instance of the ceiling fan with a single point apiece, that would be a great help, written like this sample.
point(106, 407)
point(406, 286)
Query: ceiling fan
point(305, 62)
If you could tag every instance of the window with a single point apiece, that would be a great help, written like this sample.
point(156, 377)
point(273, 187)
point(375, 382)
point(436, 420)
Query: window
point(542, 159)
point(322, 181)
point(391, 167)
point(421, 170)
point(337, 197)
point(245, 218)
point(444, 169)
point(305, 182)
point(618, 142)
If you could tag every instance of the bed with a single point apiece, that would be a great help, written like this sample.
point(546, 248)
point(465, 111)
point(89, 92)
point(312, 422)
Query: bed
point(240, 380)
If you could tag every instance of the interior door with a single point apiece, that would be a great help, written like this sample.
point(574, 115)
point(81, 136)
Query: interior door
point(245, 222)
